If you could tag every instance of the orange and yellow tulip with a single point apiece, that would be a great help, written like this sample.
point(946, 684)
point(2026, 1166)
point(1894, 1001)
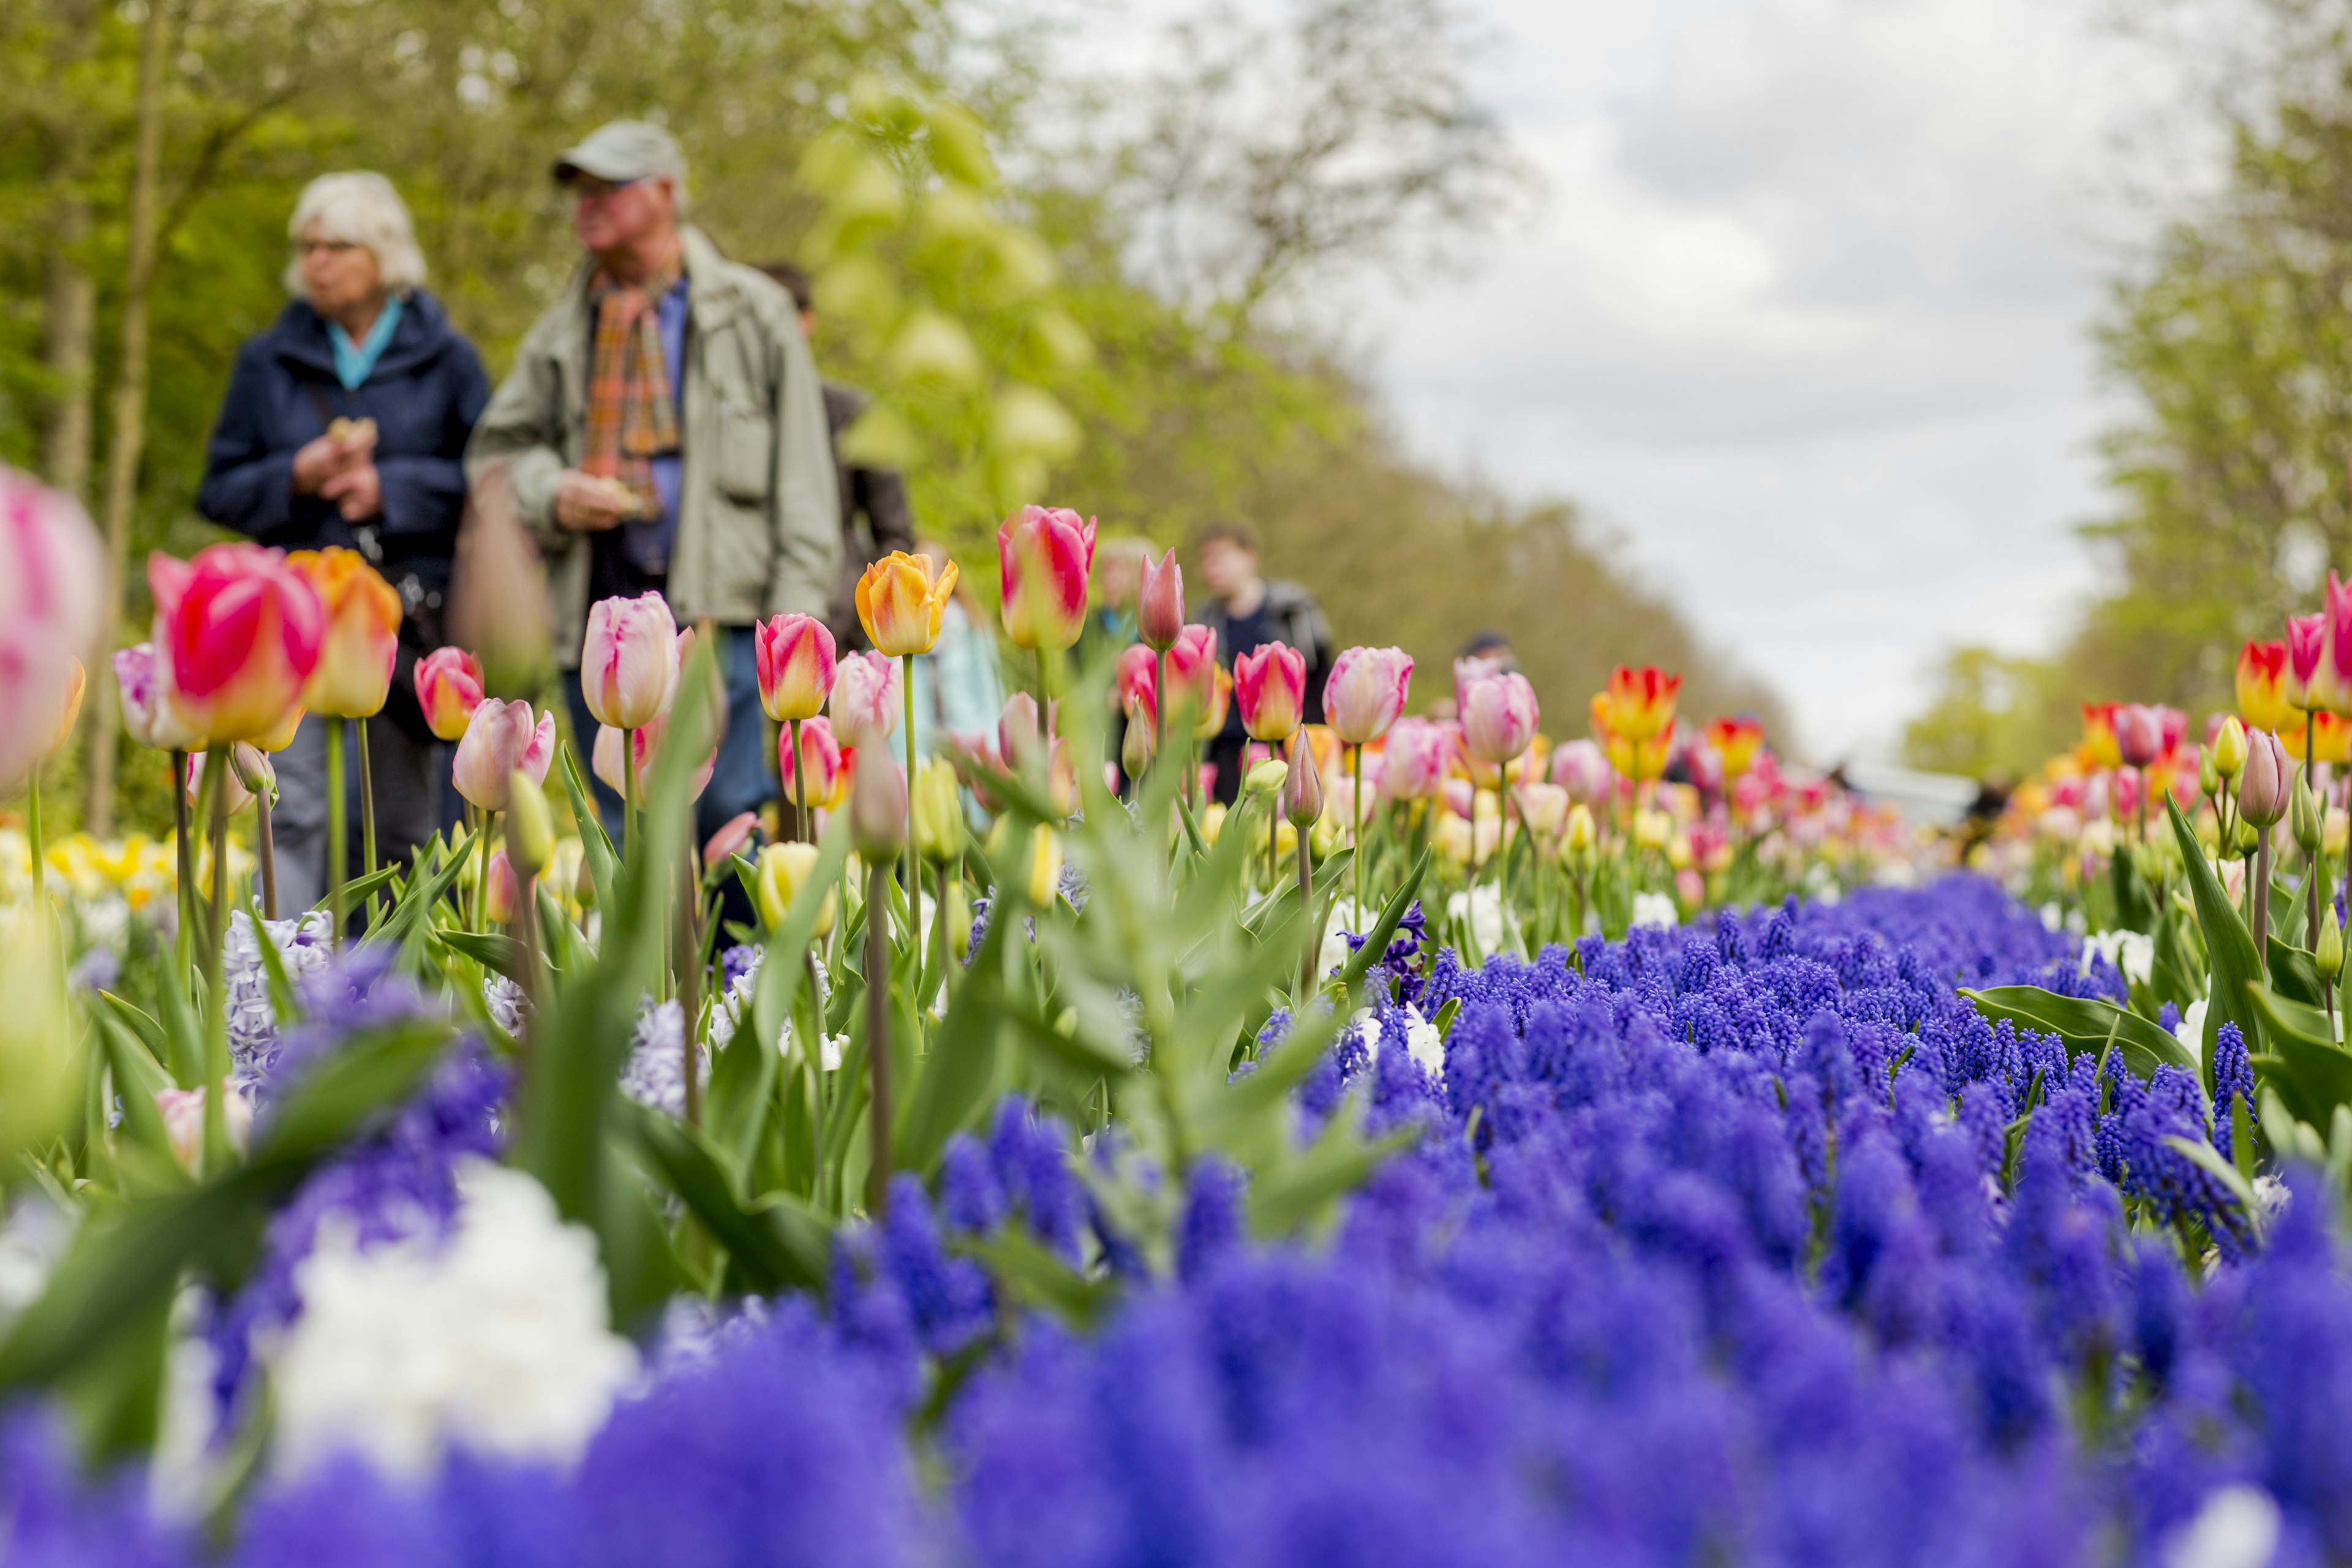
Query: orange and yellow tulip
point(901, 600)
point(363, 639)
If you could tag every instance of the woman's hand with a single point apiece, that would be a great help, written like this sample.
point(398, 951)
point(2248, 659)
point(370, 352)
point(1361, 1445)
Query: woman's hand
point(348, 444)
point(358, 493)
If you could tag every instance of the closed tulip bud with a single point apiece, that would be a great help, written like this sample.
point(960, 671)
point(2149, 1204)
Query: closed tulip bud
point(1499, 717)
point(1135, 683)
point(940, 830)
point(867, 697)
point(1019, 734)
point(1543, 807)
point(795, 657)
point(1062, 777)
point(877, 807)
point(901, 600)
point(1134, 746)
point(2331, 682)
point(238, 632)
point(629, 660)
point(1212, 822)
point(234, 796)
point(1302, 783)
point(2208, 777)
point(77, 680)
point(147, 715)
point(784, 870)
point(1270, 684)
point(2329, 959)
point(2303, 815)
point(1265, 778)
point(1365, 694)
point(531, 827)
point(363, 637)
point(1045, 859)
point(1160, 607)
point(2243, 839)
point(502, 892)
point(959, 919)
point(2229, 749)
point(501, 740)
point(2139, 735)
point(2262, 788)
point(734, 836)
point(251, 769)
point(1652, 829)
point(1581, 834)
point(448, 689)
point(52, 578)
point(1046, 555)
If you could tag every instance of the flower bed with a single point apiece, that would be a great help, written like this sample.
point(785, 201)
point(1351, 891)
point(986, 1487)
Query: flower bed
point(1747, 1242)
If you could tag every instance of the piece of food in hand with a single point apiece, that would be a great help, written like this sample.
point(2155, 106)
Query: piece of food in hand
point(626, 502)
point(350, 432)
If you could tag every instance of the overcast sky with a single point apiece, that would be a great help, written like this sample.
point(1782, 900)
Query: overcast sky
point(1804, 318)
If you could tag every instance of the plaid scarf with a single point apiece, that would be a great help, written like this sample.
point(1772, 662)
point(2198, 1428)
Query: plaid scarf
point(632, 416)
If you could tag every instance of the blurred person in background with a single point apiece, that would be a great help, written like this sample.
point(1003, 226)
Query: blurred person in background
point(875, 517)
point(345, 423)
point(1246, 610)
point(664, 432)
point(959, 688)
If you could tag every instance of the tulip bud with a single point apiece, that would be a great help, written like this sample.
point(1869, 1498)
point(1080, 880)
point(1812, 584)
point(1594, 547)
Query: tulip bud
point(531, 827)
point(2244, 838)
point(1018, 733)
point(2208, 777)
point(501, 894)
point(1045, 865)
point(1212, 822)
point(251, 768)
point(1135, 748)
point(1266, 777)
point(733, 835)
point(1302, 784)
point(2329, 959)
point(2229, 749)
point(448, 689)
point(795, 659)
point(2139, 735)
point(877, 807)
point(1580, 830)
point(959, 919)
point(2262, 788)
point(939, 812)
point(1160, 608)
point(784, 870)
point(2303, 815)
point(629, 663)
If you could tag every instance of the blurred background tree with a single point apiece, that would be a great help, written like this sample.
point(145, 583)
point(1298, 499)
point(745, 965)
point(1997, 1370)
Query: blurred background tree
point(1155, 279)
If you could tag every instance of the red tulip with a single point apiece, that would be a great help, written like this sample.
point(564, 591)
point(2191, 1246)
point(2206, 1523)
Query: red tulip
point(1270, 683)
point(1416, 759)
point(1366, 692)
point(238, 632)
point(1159, 608)
point(629, 660)
point(2262, 686)
point(821, 765)
point(2331, 683)
point(795, 656)
point(501, 740)
point(1044, 555)
point(1641, 703)
point(1499, 717)
point(2306, 639)
point(448, 687)
point(1737, 741)
point(52, 574)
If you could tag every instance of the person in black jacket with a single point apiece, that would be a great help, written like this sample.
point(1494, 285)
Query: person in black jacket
point(1247, 611)
point(875, 517)
point(345, 423)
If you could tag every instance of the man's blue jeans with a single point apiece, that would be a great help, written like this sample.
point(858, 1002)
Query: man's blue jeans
point(742, 780)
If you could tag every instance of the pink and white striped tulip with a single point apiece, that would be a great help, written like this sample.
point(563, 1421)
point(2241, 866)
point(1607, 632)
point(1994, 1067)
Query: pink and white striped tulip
point(501, 740)
point(1045, 556)
point(629, 661)
point(867, 697)
point(1499, 717)
point(609, 760)
point(1581, 768)
point(147, 715)
point(1416, 759)
point(51, 573)
point(1366, 692)
point(796, 659)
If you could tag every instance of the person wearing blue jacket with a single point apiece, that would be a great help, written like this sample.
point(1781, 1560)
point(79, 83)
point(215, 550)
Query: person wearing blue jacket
point(345, 423)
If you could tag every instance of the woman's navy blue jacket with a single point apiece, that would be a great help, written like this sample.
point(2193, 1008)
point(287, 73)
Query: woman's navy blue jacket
point(424, 394)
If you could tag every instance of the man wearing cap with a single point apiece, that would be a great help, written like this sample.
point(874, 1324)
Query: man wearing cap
point(664, 430)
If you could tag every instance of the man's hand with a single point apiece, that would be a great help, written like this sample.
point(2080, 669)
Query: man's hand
point(590, 504)
point(358, 493)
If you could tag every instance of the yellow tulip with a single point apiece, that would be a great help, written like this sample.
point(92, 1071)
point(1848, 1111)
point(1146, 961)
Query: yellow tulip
point(901, 600)
point(783, 870)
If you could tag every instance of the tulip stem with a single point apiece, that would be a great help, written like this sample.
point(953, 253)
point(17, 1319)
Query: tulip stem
point(877, 1043)
point(1356, 833)
point(1314, 944)
point(2262, 892)
point(2316, 874)
point(367, 813)
point(33, 824)
point(1159, 707)
point(628, 792)
point(215, 1011)
point(267, 844)
point(689, 980)
point(337, 825)
point(800, 790)
point(187, 887)
point(912, 880)
point(481, 920)
point(947, 966)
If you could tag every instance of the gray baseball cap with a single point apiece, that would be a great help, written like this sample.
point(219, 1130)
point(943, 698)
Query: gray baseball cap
point(624, 150)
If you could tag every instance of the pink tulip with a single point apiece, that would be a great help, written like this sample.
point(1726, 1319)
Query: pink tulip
point(1416, 759)
point(867, 697)
point(608, 758)
point(501, 893)
point(2307, 639)
point(1461, 798)
point(821, 767)
point(1159, 609)
point(1705, 765)
point(183, 1121)
point(2263, 787)
point(1044, 555)
point(1499, 717)
point(147, 715)
point(1020, 733)
point(238, 632)
point(1133, 685)
point(51, 578)
point(1270, 684)
point(732, 836)
point(448, 687)
point(1302, 783)
point(878, 808)
point(1581, 768)
point(2139, 734)
point(1468, 672)
point(1193, 673)
point(2331, 682)
point(796, 661)
point(501, 740)
point(629, 662)
point(1366, 692)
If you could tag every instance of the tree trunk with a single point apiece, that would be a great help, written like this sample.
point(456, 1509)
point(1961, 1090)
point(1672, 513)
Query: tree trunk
point(128, 406)
point(69, 294)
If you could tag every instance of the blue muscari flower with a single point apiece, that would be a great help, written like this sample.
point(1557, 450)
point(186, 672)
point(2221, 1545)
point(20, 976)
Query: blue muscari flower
point(948, 1299)
point(2234, 1081)
point(1210, 1228)
point(970, 1198)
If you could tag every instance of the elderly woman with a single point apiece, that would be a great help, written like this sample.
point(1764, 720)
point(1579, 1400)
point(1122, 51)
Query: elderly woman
point(345, 423)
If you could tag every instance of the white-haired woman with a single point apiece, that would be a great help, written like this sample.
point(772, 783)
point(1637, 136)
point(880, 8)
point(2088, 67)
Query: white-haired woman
point(345, 423)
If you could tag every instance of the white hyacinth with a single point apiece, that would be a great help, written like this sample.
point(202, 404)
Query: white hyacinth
point(735, 1006)
point(1657, 910)
point(304, 945)
point(1483, 906)
point(2131, 952)
point(656, 1075)
point(507, 1003)
point(2237, 1527)
point(493, 1340)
